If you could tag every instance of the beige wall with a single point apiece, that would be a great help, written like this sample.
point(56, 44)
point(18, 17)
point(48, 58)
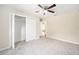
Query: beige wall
point(4, 28)
point(64, 27)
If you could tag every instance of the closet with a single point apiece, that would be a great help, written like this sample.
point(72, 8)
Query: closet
point(20, 28)
point(23, 29)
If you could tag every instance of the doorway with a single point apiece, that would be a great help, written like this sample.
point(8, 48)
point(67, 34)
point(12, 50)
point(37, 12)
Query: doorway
point(18, 29)
point(22, 28)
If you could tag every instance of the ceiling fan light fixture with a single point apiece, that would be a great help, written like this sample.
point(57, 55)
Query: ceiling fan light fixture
point(45, 11)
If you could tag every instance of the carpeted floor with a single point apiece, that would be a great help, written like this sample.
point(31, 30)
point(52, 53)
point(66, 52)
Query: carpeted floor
point(43, 47)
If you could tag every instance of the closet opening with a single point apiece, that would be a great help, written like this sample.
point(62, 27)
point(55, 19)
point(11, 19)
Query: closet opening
point(18, 30)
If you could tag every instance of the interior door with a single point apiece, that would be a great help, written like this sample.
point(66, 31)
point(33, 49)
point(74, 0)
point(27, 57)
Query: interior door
point(30, 29)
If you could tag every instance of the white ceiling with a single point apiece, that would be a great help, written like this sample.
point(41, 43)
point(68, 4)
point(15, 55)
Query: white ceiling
point(59, 9)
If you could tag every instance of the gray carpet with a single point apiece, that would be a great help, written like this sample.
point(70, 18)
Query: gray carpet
point(43, 47)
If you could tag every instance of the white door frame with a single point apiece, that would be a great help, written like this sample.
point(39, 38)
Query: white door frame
point(12, 29)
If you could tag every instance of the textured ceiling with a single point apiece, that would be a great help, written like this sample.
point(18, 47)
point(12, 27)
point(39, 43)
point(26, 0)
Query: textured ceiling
point(59, 9)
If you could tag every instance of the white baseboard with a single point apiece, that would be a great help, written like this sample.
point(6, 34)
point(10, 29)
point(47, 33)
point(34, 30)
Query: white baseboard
point(5, 48)
point(51, 37)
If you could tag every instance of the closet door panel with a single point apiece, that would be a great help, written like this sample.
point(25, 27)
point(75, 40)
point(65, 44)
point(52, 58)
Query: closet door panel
point(30, 29)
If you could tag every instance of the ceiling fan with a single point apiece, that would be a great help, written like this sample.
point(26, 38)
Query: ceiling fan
point(47, 9)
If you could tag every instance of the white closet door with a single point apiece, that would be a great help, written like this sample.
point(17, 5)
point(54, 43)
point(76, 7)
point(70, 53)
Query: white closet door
point(18, 26)
point(30, 29)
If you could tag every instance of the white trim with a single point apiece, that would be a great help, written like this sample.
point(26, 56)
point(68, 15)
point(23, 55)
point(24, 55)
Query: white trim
point(51, 37)
point(13, 36)
point(20, 15)
point(11, 31)
point(12, 28)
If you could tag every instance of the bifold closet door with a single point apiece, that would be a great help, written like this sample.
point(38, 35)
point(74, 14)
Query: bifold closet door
point(30, 29)
point(20, 28)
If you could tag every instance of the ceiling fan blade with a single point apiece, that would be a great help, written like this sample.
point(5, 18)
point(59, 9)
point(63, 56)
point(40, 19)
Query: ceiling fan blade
point(40, 6)
point(51, 6)
point(50, 11)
